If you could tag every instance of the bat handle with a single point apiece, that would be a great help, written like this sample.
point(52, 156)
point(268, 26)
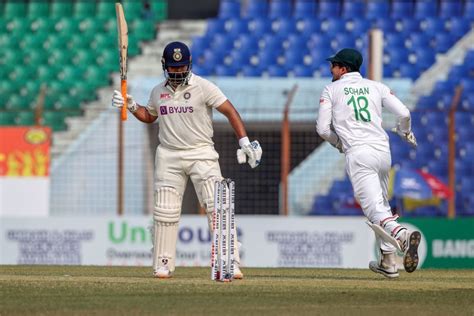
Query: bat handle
point(124, 95)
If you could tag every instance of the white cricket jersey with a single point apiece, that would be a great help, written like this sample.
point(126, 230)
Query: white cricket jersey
point(185, 115)
point(353, 105)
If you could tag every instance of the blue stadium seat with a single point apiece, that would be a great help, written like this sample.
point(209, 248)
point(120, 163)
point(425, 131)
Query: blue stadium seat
point(438, 135)
point(215, 26)
point(468, 103)
point(294, 57)
point(408, 71)
point(307, 26)
point(229, 9)
point(236, 26)
point(225, 71)
point(280, 9)
point(456, 73)
point(433, 25)
point(272, 42)
point(296, 41)
point(267, 57)
point(214, 57)
point(302, 71)
point(459, 26)
point(443, 87)
point(240, 57)
point(425, 8)
point(222, 43)
point(284, 26)
point(395, 55)
point(394, 41)
point(435, 119)
point(407, 26)
point(377, 9)
point(318, 57)
point(443, 42)
point(450, 8)
point(358, 27)
point(201, 70)
point(353, 8)
point(304, 9)
point(256, 9)
point(261, 26)
point(438, 168)
point(329, 8)
point(247, 42)
point(402, 9)
point(251, 71)
point(386, 25)
point(323, 205)
point(277, 71)
point(342, 40)
point(469, 9)
point(464, 118)
point(332, 26)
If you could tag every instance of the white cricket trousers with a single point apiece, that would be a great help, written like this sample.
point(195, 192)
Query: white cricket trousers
point(174, 167)
point(368, 170)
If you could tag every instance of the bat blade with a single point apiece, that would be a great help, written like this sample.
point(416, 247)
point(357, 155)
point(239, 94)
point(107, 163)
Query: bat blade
point(122, 30)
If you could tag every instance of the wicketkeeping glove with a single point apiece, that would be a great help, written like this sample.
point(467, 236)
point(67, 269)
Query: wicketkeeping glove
point(409, 137)
point(252, 150)
point(117, 101)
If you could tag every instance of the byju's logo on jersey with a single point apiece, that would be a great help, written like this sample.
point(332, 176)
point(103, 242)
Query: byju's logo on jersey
point(164, 110)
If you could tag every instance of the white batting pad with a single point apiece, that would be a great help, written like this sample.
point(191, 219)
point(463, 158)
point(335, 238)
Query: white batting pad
point(167, 205)
point(382, 234)
point(164, 245)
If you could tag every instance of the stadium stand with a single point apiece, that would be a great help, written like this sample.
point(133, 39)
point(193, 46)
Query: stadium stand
point(69, 46)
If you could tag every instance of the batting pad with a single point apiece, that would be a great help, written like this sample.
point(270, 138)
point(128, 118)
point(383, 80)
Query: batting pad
point(164, 245)
point(167, 205)
point(208, 198)
point(382, 234)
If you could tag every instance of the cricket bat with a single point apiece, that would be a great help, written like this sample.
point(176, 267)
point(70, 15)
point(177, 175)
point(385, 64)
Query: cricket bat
point(123, 51)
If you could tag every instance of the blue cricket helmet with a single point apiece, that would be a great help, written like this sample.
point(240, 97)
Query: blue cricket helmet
point(176, 54)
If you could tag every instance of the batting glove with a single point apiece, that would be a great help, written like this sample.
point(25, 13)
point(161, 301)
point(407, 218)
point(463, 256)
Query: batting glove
point(409, 137)
point(117, 101)
point(252, 150)
point(338, 146)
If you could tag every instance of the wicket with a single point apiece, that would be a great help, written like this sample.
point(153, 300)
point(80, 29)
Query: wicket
point(224, 231)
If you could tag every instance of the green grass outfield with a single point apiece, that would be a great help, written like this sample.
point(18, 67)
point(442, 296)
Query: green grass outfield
point(89, 290)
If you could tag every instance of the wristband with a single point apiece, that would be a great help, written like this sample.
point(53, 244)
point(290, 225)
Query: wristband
point(244, 141)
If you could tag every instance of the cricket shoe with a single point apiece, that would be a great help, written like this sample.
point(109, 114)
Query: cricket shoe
point(386, 265)
point(409, 242)
point(162, 273)
point(238, 275)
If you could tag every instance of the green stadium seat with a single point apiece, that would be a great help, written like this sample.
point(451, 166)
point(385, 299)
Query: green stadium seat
point(96, 76)
point(71, 74)
point(33, 41)
point(31, 88)
point(55, 120)
point(104, 41)
point(38, 8)
point(17, 102)
point(47, 73)
point(19, 25)
point(60, 57)
point(133, 9)
point(69, 104)
point(84, 8)
point(80, 41)
point(56, 41)
point(61, 8)
point(133, 45)
point(143, 30)
point(35, 58)
point(83, 91)
point(68, 25)
point(160, 10)
point(106, 8)
point(21, 74)
point(84, 58)
point(108, 60)
point(7, 118)
point(58, 87)
point(110, 25)
point(44, 25)
point(14, 9)
point(25, 118)
point(10, 57)
point(91, 25)
point(7, 88)
point(12, 41)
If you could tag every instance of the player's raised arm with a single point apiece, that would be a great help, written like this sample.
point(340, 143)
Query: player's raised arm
point(140, 112)
point(252, 150)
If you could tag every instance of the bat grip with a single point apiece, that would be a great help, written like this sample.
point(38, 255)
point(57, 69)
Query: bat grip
point(124, 95)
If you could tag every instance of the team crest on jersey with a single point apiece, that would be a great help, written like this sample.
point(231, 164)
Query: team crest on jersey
point(177, 56)
point(165, 96)
point(187, 95)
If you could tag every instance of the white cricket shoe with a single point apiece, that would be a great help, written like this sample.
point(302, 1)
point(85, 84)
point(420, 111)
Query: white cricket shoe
point(162, 273)
point(238, 273)
point(409, 242)
point(386, 265)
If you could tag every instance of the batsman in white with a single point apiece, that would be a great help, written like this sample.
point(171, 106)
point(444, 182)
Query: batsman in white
point(350, 118)
point(183, 104)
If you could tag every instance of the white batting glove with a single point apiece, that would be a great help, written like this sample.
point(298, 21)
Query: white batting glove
point(117, 101)
point(409, 137)
point(252, 150)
